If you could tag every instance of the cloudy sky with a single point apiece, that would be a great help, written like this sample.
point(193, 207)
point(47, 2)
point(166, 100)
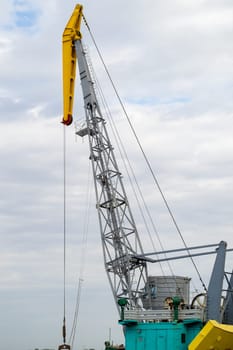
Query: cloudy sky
point(171, 61)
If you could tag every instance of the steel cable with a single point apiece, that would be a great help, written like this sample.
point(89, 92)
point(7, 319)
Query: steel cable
point(144, 155)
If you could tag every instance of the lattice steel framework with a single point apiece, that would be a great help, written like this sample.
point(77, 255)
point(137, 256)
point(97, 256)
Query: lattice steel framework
point(127, 272)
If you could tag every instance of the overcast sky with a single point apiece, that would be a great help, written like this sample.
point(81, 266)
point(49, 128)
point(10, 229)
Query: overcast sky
point(171, 61)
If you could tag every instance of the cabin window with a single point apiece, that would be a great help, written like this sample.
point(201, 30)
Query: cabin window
point(183, 338)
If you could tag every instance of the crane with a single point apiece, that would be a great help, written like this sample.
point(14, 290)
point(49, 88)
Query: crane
point(146, 326)
point(122, 250)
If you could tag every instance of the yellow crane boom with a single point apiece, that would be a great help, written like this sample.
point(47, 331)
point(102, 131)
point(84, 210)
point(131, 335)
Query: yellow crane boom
point(70, 34)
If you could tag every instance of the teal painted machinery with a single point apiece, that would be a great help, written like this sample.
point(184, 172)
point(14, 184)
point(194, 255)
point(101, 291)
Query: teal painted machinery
point(173, 327)
point(160, 335)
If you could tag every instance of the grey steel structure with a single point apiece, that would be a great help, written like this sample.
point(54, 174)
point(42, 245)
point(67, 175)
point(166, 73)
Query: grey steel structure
point(228, 310)
point(125, 261)
point(126, 270)
point(215, 286)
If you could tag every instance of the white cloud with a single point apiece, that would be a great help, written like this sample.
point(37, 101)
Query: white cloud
point(172, 64)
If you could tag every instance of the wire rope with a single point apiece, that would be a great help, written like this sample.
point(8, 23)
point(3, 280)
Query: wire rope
point(122, 151)
point(82, 260)
point(144, 156)
point(64, 235)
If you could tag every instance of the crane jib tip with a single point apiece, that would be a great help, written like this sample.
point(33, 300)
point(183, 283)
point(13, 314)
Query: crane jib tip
point(68, 120)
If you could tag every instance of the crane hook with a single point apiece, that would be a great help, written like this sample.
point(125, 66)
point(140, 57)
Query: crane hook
point(64, 346)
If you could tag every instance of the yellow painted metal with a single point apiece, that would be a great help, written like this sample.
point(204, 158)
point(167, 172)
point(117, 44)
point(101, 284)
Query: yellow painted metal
point(70, 35)
point(214, 336)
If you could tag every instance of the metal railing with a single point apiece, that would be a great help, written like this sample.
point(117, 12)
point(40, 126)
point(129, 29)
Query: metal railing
point(162, 315)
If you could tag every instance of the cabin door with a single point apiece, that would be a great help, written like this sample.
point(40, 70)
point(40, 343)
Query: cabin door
point(140, 343)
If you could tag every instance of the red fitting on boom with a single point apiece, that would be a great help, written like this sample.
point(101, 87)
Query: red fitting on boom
point(68, 121)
